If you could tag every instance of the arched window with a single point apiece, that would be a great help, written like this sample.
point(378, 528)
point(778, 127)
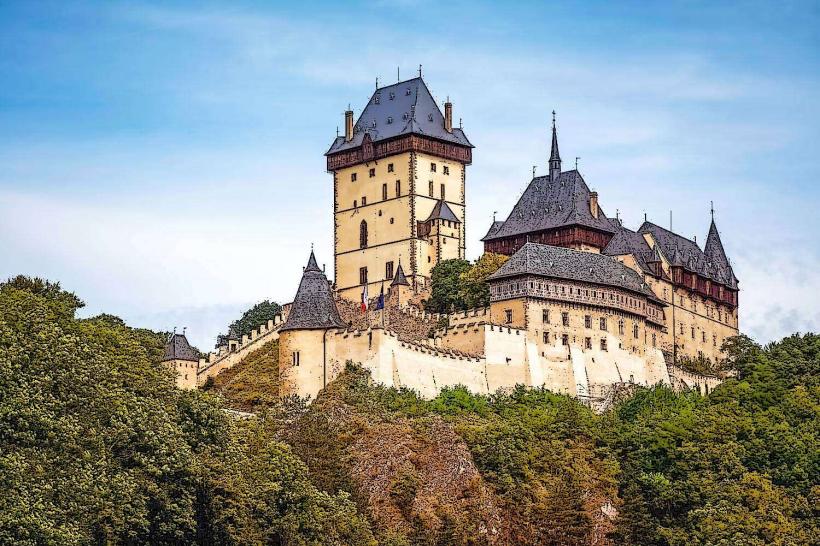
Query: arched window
point(363, 234)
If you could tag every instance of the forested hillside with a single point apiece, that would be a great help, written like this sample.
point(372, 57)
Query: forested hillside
point(98, 447)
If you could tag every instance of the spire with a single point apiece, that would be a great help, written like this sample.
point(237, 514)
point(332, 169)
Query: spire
point(312, 265)
point(555, 156)
point(399, 277)
point(313, 307)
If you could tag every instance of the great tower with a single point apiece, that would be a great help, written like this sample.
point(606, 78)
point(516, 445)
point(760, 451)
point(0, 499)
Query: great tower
point(398, 190)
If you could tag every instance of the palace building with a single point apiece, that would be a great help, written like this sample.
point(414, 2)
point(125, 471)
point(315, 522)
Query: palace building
point(583, 306)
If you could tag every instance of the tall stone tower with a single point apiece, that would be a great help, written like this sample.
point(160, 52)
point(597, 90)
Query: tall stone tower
point(398, 187)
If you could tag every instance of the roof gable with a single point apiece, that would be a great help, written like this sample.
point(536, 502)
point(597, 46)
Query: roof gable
point(442, 211)
point(178, 348)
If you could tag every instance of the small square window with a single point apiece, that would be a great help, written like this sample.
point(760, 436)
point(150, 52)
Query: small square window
point(587, 343)
point(352, 177)
point(508, 315)
point(446, 169)
point(432, 167)
point(587, 321)
point(364, 200)
point(372, 173)
point(391, 220)
point(603, 344)
point(355, 203)
point(565, 339)
point(565, 319)
point(390, 167)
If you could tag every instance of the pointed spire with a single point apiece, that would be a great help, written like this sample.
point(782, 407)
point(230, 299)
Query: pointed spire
point(555, 156)
point(312, 265)
point(313, 307)
point(400, 278)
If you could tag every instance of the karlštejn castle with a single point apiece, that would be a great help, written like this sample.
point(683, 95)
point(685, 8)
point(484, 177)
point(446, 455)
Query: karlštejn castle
point(583, 306)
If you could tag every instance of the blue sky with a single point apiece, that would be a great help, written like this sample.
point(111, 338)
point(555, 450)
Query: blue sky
point(164, 159)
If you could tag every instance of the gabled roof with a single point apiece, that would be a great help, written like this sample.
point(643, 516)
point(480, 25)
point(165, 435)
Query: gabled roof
point(442, 211)
point(313, 307)
point(716, 256)
point(564, 263)
point(625, 241)
point(549, 204)
point(178, 348)
point(411, 110)
point(496, 225)
point(399, 277)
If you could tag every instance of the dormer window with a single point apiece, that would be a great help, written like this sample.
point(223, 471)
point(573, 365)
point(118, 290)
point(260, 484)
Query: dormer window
point(377, 100)
point(374, 123)
point(429, 117)
point(389, 120)
point(392, 95)
point(407, 91)
point(404, 116)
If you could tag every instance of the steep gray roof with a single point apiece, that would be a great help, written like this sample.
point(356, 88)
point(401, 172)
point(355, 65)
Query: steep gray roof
point(399, 277)
point(496, 225)
point(686, 253)
point(442, 211)
point(575, 265)
point(625, 241)
point(411, 110)
point(178, 348)
point(548, 204)
point(716, 256)
point(313, 307)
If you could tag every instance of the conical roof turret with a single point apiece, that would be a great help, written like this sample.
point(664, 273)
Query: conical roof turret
point(313, 307)
point(399, 278)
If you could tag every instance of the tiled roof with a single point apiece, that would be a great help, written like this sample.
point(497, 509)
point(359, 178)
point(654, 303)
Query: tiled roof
point(625, 241)
point(442, 211)
point(399, 277)
point(496, 225)
point(686, 253)
point(400, 109)
point(549, 204)
point(178, 348)
point(564, 263)
point(313, 307)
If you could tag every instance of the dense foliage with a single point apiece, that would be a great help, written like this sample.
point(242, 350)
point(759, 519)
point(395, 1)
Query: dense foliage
point(459, 285)
point(257, 315)
point(97, 446)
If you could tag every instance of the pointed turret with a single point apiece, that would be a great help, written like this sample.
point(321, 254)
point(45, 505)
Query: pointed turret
point(399, 279)
point(313, 307)
point(555, 156)
point(716, 255)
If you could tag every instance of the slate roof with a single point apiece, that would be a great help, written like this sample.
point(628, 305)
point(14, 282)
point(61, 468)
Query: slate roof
point(178, 348)
point(549, 204)
point(496, 225)
point(442, 211)
point(625, 241)
point(575, 265)
point(399, 277)
point(685, 253)
point(313, 307)
point(411, 110)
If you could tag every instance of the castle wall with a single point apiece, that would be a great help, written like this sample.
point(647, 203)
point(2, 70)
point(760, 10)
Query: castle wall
point(228, 357)
point(185, 371)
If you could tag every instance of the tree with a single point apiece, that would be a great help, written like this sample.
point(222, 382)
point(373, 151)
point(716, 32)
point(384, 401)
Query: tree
point(474, 289)
point(446, 293)
point(254, 317)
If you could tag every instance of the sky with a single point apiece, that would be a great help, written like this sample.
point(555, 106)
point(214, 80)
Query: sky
point(164, 160)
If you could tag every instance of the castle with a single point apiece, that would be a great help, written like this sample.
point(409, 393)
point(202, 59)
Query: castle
point(583, 306)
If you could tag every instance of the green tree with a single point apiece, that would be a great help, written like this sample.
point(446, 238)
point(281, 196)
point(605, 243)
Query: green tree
point(257, 315)
point(446, 293)
point(474, 289)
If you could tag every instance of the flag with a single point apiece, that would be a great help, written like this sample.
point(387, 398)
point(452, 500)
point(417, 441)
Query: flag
point(380, 302)
point(364, 298)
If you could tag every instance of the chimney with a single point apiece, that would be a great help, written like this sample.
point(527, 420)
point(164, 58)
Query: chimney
point(448, 116)
point(348, 125)
point(593, 203)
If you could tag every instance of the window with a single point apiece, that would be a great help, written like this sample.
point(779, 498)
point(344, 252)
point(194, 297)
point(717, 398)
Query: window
point(635, 331)
point(443, 195)
point(603, 344)
point(587, 321)
point(384, 192)
point(565, 339)
point(545, 316)
point(681, 329)
point(430, 188)
point(364, 200)
point(363, 234)
point(508, 315)
point(693, 332)
point(587, 343)
point(446, 169)
point(565, 318)
point(546, 337)
point(295, 357)
point(603, 324)
point(704, 336)
point(654, 340)
point(432, 167)
point(388, 270)
point(390, 167)
point(355, 203)
point(714, 340)
point(621, 327)
point(352, 177)
point(398, 188)
point(372, 173)
point(362, 275)
point(391, 220)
